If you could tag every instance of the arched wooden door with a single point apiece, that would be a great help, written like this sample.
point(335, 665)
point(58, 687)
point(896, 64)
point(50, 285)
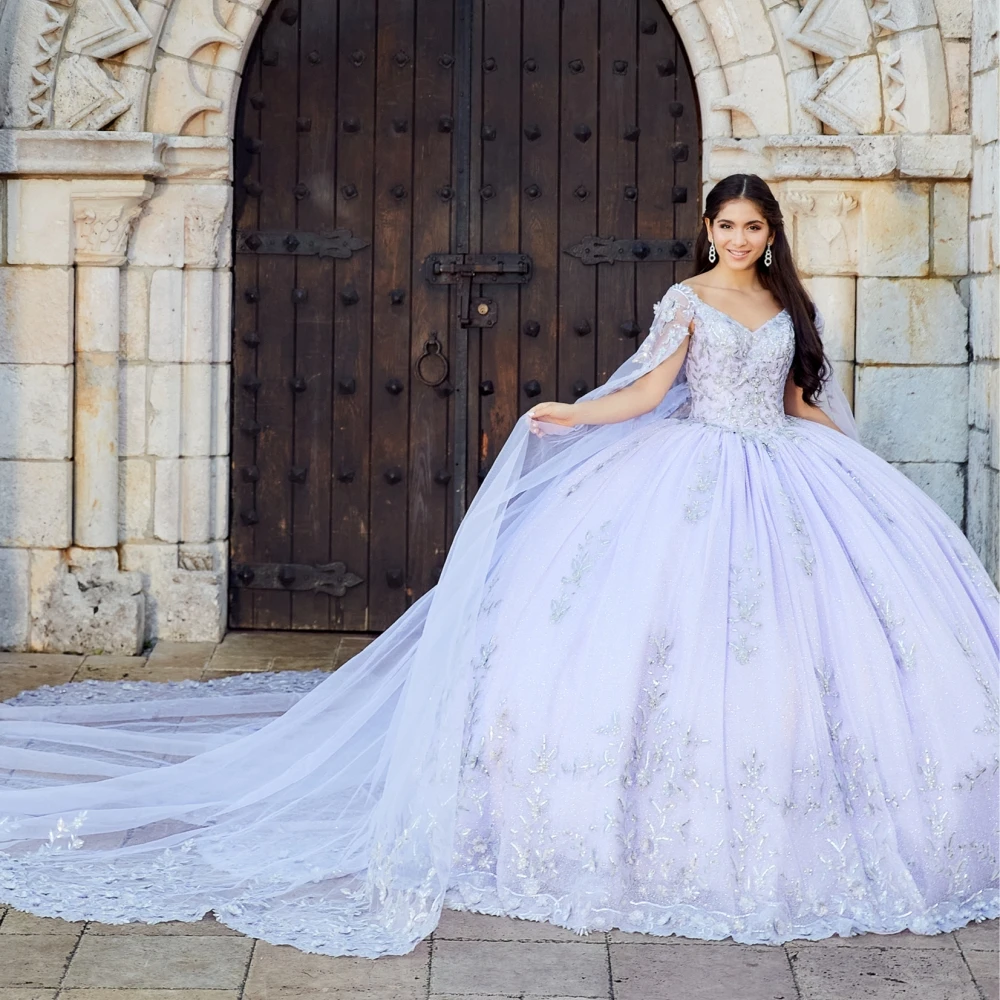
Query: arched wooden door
point(504, 186)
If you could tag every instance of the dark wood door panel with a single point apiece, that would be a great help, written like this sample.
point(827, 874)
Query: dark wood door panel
point(368, 405)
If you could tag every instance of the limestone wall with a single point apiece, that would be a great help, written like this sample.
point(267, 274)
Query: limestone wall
point(983, 291)
point(115, 224)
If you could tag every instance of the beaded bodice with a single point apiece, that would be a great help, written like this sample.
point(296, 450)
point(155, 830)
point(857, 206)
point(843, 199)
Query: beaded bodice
point(737, 376)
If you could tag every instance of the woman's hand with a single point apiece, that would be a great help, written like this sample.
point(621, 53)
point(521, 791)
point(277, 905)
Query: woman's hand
point(560, 414)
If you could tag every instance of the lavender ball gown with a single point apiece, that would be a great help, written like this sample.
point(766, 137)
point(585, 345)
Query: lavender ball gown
point(713, 671)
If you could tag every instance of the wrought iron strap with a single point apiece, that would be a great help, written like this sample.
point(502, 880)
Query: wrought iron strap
point(479, 268)
point(608, 250)
point(332, 579)
point(339, 243)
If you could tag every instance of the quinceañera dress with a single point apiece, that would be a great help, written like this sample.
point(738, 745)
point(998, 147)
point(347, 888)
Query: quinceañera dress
point(711, 671)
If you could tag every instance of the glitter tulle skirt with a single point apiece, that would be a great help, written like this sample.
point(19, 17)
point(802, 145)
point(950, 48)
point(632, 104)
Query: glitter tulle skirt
point(734, 683)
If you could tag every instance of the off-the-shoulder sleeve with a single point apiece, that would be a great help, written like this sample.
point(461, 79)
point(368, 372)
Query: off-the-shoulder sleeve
point(672, 316)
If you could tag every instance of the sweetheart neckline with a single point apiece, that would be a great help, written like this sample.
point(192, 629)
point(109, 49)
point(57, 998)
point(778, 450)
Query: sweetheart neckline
point(708, 305)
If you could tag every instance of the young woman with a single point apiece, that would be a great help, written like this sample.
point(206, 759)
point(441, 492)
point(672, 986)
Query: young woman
point(699, 663)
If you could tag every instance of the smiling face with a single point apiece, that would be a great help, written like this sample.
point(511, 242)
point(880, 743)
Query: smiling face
point(739, 233)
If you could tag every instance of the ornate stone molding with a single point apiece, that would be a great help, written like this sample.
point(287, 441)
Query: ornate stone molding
point(810, 157)
point(66, 153)
point(104, 221)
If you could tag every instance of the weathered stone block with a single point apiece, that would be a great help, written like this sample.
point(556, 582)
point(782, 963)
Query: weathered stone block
point(844, 373)
point(38, 411)
point(88, 606)
point(164, 431)
point(984, 36)
point(984, 397)
point(36, 315)
point(955, 18)
point(910, 321)
point(983, 303)
point(166, 315)
point(713, 89)
point(985, 106)
point(699, 44)
point(834, 297)
point(200, 313)
point(134, 312)
point(167, 500)
point(197, 157)
point(196, 500)
point(935, 155)
point(943, 482)
point(895, 225)
point(98, 322)
point(95, 455)
point(983, 194)
point(982, 253)
point(757, 97)
point(223, 330)
point(740, 30)
point(794, 57)
point(35, 504)
point(14, 589)
point(201, 388)
point(801, 85)
point(182, 605)
point(135, 499)
point(167, 233)
point(950, 238)
point(956, 59)
point(913, 414)
point(132, 410)
point(220, 497)
point(914, 82)
point(983, 501)
point(204, 499)
point(39, 222)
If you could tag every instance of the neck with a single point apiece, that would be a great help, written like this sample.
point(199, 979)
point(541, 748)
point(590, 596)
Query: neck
point(742, 281)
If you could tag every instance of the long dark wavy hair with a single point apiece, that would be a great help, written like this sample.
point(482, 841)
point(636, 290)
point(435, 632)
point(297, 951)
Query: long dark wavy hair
point(809, 365)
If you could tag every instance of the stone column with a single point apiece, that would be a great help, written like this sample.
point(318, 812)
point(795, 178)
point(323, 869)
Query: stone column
point(103, 221)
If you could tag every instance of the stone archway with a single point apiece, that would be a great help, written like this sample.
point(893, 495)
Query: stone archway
point(119, 122)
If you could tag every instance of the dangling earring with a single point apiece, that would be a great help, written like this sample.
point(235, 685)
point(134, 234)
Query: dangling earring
point(711, 253)
point(767, 256)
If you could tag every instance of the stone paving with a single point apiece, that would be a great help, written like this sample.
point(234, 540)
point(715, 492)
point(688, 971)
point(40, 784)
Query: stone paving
point(469, 955)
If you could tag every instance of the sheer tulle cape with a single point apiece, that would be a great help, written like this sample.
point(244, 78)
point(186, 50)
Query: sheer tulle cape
point(314, 810)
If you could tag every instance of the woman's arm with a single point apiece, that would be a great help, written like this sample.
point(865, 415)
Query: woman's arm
point(635, 399)
point(796, 406)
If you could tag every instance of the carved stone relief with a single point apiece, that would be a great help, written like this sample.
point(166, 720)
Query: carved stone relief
point(846, 96)
point(826, 229)
point(105, 28)
point(834, 28)
point(103, 225)
point(202, 225)
point(87, 98)
point(43, 66)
